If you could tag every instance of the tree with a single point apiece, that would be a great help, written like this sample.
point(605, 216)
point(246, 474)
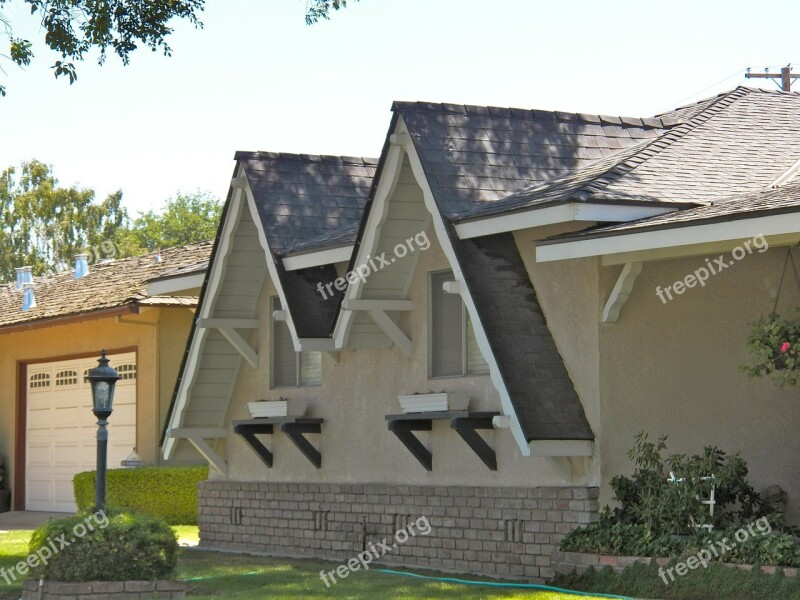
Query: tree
point(185, 219)
point(320, 9)
point(44, 225)
point(74, 27)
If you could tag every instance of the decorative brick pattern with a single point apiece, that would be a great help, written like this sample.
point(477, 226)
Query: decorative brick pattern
point(567, 562)
point(104, 590)
point(470, 531)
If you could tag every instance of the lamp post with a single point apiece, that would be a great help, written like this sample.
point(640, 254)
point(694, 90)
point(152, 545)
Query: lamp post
point(103, 379)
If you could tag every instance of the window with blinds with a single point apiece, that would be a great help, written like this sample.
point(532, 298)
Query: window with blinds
point(291, 368)
point(452, 349)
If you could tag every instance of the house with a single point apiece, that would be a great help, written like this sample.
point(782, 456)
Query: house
point(140, 310)
point(521, 258)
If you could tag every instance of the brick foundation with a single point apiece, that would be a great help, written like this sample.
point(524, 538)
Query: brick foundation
point(500, 532)
point(104, 590)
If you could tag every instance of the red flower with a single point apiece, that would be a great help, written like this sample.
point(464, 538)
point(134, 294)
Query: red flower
point(785, 347)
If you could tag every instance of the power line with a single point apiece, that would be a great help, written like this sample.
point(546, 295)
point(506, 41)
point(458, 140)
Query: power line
point(786, 77)
point(737, 73)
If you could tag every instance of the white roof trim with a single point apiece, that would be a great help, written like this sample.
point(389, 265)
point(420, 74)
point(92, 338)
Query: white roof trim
point(786, 176)
point(170, 286)
point(449, 252)
point(561, 213)
point(272, 268)
point(189, 374)
point(370, 236)
point(318, 258)
point(662, 244)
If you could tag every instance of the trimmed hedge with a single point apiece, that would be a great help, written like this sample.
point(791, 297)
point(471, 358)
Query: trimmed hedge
point(105, 546)
point(169, 493)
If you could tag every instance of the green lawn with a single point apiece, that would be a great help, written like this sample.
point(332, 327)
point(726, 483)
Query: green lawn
point(213, 575)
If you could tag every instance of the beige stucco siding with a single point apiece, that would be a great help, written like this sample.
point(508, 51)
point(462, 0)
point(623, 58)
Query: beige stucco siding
point(354, 398)
point(158, 337)
point(673, 369)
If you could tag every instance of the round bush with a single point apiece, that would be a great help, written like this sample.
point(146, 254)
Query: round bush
point(106, 546)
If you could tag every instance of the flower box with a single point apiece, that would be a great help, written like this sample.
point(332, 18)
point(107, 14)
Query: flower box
point(277, 408)
point(438, 402)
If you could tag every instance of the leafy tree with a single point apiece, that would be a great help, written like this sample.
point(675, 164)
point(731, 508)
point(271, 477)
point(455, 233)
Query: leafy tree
point(320, 9)
point(74, 27)
point(185, 219)
point(45, 225)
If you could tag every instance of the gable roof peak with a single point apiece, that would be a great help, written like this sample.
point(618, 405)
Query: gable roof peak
point(318, 158)
point(553, 116)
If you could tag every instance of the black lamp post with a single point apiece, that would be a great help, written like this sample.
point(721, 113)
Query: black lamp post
point(103, 379)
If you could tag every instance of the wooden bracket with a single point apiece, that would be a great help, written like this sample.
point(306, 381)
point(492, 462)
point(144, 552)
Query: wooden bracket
point(621, 292)
point(295, 429)
point(463, 422)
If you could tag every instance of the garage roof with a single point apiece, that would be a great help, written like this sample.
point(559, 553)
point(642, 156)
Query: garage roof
point(108, 285)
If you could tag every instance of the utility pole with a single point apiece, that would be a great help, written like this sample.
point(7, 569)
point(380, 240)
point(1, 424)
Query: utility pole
point(786, 77)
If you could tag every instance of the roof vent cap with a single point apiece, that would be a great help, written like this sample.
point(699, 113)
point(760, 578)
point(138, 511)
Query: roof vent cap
point(28, 297)
point(24, 275)
point(81, 265)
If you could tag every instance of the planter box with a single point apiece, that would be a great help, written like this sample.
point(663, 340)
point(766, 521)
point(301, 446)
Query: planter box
point(277, 408)
point(103, 590)
point(440, 402)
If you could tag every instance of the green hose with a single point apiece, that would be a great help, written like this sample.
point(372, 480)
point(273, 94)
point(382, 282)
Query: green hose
point(529, 586)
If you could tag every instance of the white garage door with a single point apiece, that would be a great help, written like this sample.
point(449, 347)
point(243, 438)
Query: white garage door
point(61, 428)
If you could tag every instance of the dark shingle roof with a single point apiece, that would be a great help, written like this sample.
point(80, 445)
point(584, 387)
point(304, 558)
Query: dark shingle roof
point(684, 113)
point(784, 199)
point(741, 141)
point(302, 197)
point(107, 285)
point(533, 371)
point(474, 155)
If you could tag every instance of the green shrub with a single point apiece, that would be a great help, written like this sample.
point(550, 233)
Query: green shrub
point(106, 546)
point(166, 492)
point(656, 516)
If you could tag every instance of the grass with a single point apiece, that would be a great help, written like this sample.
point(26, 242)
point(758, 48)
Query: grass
point(717, 582)
point(214, 575)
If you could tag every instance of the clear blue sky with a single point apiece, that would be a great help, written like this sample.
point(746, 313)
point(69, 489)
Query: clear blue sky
point(257, 78)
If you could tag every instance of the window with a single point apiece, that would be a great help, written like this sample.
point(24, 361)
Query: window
point(127, 371)
point(291, 368)
point(64, 378)
point(452, 347)
point(39, 381)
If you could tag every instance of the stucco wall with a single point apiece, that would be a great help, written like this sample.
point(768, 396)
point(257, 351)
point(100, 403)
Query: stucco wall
point(87, 338)
point(354, 398)
point(672, 369)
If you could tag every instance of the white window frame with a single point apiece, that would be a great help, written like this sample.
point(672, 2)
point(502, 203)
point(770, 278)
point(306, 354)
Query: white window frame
point(274, 303)
point(465, 372)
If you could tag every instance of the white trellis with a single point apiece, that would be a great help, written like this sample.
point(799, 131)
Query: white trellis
point(710, 501)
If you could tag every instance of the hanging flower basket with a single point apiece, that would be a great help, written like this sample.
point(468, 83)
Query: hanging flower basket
point(774, 346)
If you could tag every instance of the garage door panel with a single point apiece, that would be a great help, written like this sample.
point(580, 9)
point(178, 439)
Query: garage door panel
point(61, 429)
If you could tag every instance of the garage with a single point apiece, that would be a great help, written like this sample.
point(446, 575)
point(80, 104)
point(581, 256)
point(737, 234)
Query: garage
point(61, 429)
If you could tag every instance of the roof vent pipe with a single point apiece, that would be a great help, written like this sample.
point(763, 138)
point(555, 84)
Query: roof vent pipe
point(81, 265)
point(24, 275)
point(28, 297)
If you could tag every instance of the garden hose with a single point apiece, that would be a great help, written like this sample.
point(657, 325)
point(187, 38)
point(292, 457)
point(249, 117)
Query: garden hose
point(528, 586)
